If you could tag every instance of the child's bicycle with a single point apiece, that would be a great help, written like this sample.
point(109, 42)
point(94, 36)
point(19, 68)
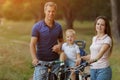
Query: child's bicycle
point(80, 75)
point(62, 75)
point(82, 45)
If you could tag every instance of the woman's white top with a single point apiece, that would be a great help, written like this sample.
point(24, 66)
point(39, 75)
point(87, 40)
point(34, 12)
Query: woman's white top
point(95, 48)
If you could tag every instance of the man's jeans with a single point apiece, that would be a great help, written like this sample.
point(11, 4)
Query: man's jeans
point(40, 72)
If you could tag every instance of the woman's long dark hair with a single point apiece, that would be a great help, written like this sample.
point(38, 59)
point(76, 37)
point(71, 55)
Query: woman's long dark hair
point(107, 29)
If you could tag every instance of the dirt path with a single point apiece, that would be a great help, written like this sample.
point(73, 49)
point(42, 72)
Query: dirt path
point(20, 42)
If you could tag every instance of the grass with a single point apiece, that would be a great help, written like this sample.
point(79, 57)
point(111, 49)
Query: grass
point(15, 59)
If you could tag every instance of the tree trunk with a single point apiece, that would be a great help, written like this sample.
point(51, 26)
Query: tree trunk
point(67, 13)
point(40, 15)
point(115, 19)
point(68, 17)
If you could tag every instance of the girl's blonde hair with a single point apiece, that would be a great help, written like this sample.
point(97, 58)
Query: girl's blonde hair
point(70, 31)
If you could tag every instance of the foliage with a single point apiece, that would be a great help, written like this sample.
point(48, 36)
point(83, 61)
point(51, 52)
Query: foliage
point(21, 9)
point(30, 9)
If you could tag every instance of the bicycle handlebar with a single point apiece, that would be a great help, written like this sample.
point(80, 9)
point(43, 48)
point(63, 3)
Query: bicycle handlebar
point(49, 64)
point(79, 68)
point(82, 66)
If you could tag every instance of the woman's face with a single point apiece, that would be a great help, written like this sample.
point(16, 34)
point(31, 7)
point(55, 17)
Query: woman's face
point(100, 26)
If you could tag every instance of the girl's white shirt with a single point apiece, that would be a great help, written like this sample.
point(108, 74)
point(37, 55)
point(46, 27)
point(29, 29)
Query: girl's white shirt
point(71, 51)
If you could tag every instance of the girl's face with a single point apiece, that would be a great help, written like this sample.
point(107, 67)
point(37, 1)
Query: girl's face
point(70, 38)
point(100, 26)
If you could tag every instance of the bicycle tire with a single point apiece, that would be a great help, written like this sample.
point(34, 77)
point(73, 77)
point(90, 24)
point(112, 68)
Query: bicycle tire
point(52, 76)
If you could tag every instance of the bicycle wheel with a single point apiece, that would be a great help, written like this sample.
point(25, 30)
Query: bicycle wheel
point(52, 76)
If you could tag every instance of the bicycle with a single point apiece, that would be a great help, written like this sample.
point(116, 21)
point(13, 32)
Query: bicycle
point(62, 72)
point(62, 75)
point(81, 68)
point(49, 65)
point(82, 45)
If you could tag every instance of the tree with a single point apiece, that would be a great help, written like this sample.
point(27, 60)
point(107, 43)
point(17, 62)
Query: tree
point(115, 8)
point(36, 9)
point(82, 10)
point(69, 10)
point(67, 13)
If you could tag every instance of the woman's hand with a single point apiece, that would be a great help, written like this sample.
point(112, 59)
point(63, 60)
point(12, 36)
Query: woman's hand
point(86, 58)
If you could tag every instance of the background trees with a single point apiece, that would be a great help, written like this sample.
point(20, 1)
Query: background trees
point(68, 10)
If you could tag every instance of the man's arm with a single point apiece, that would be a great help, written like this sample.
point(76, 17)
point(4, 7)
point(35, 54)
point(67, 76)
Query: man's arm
point(60, 42)
point(33, 50)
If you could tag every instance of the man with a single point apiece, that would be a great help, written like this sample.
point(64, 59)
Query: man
point(46, 41)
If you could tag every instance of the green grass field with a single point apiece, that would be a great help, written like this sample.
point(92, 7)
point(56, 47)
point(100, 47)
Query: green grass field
point(15, 59)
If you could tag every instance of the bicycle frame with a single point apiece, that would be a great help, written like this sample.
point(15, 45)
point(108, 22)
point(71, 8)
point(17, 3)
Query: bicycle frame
point(49, 65)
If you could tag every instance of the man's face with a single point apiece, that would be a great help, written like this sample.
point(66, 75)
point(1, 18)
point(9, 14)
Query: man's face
point(50, 12)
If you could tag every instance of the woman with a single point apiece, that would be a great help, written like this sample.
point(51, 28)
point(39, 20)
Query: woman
point(100, 50)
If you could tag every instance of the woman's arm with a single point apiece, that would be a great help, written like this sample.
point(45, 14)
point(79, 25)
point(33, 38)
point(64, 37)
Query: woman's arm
point(86, 58)
point(102, 51)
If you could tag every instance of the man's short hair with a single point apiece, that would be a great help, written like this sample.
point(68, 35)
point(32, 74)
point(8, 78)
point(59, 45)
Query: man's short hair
point(51, 4)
